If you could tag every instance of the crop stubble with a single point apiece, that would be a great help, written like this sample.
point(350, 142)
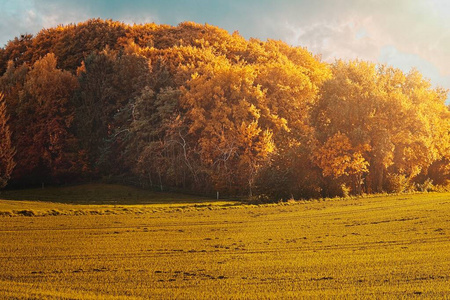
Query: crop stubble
point(379, 247)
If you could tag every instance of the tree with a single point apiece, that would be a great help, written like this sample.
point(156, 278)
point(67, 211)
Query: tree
point(47, 149)
point(193, 107)
point(108, 84)
point(7, 151)
point(338, 158)
point(223, 112)
point(156, 151)
point(18, 50)
point(397, 120)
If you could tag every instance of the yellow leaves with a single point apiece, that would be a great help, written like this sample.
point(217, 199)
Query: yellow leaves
point(194, 76)
point(47, 83)
point(337, 157)
point(81, 69)
point(400, 116)
point(237, 95)
point(254, 112)
point(224, 107)
point(256, 141)
point(267, 144)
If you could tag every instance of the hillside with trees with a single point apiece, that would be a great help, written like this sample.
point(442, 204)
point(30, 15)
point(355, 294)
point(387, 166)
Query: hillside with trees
point(193, 108)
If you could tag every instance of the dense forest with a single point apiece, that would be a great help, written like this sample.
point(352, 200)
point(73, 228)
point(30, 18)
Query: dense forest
point(193, 108)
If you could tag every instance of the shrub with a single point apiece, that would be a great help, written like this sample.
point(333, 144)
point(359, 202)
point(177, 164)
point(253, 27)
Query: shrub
point(25, 212)
point(397, 183)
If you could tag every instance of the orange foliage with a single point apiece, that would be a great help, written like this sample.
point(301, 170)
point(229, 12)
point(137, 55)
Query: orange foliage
point(194, 107)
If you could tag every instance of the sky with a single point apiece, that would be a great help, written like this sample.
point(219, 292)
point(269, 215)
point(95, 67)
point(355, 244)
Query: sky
point(403, 33)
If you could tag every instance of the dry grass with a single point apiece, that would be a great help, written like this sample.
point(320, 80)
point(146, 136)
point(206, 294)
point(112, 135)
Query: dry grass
point(378, 247)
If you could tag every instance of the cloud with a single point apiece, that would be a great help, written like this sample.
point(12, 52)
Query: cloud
point(347, 40)
point(29, 16)
point(407, 61)
point(402, 33)
point(18, 17)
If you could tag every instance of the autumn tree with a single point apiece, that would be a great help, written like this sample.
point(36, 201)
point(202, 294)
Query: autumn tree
point(224, 108)
point(69, 43)
point(17, 51)
point(108, 84)
point(155, 151)
point(193, 107)
point(47, 148)
point(291, 78)
point(158, 147)
point(388, 114)
point(339, 159)
point(7, 150)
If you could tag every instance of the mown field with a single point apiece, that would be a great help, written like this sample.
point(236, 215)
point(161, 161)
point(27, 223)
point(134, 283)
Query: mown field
point(376, 247)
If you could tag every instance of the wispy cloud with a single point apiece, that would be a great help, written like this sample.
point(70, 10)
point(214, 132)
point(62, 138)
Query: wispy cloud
point(402, 33)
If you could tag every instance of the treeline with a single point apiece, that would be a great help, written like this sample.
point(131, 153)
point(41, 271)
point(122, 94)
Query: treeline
point(196, 109)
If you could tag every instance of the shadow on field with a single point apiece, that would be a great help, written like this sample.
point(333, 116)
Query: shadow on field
point(101, 194)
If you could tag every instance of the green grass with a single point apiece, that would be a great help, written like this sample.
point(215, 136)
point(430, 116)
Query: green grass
point(100, 194)
point(97, 199)
point(383, 247)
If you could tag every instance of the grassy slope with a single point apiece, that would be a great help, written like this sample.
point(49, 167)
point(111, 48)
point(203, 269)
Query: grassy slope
point(378, 247)
point(95, 199)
